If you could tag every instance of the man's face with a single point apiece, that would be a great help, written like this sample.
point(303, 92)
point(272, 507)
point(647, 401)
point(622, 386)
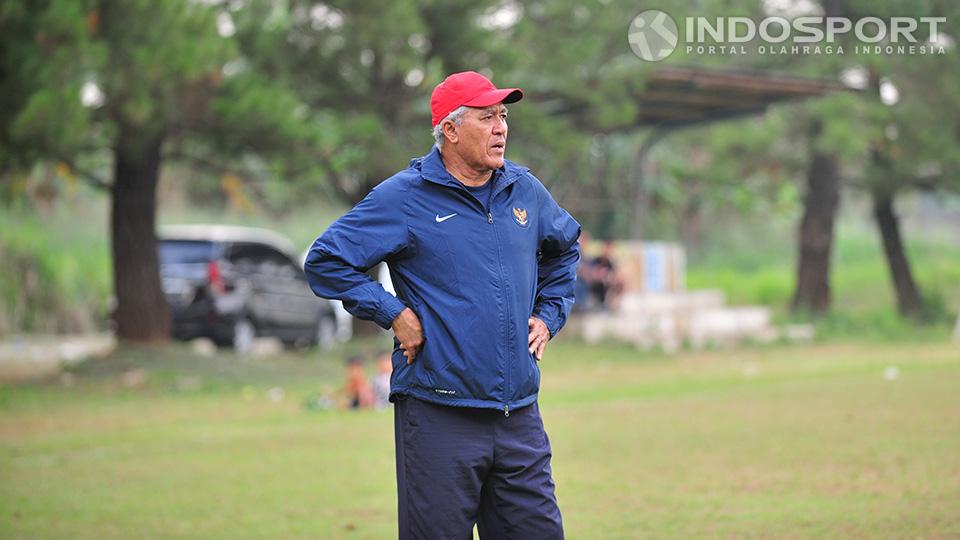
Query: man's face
point(483, 137)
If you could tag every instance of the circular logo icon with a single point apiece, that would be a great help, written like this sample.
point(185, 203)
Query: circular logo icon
point(652, 35)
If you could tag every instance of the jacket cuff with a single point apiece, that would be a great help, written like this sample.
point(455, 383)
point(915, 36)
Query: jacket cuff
point(542, 312)
point(390, 307)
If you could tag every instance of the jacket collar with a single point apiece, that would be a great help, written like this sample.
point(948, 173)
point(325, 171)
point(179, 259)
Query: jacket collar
point(432, 169)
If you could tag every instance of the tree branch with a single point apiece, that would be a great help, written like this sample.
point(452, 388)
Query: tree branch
point(196, 161)
point(337, 180)
point(89, 177)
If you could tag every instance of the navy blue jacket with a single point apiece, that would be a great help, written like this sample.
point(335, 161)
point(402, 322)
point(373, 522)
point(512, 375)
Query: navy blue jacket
point(472, 274)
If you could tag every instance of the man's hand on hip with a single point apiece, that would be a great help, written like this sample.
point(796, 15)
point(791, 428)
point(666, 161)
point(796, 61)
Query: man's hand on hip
point(408, 330)
point(538, 337)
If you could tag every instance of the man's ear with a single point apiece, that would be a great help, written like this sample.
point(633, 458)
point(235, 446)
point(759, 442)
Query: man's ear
point(450, 132)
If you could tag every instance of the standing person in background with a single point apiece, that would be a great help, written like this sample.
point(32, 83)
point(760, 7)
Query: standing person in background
point(381, 380)
point(483, 262)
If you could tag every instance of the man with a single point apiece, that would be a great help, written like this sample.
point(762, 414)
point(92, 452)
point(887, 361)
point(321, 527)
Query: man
point(605, 283)
point(483, 262)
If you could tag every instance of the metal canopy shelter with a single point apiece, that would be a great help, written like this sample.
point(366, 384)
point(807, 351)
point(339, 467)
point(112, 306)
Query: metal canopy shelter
point(679, 97)
point(675, 98)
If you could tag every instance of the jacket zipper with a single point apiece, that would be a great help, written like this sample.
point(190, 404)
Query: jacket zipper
point(506, 367)
point(503, 284)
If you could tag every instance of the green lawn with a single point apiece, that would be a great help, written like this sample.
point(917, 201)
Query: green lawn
point(766, 442)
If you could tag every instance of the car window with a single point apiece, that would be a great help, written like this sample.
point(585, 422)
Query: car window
point(184, 251)
point(246, 253)
point(265, 259)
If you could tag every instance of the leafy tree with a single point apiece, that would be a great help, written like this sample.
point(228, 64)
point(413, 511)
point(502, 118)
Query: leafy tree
point(110, 87)
point(911, 110)
point(851, 138)
point(362, 72)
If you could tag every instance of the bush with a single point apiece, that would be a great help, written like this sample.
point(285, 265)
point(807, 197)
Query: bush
point(56, 274)
point(864, 304)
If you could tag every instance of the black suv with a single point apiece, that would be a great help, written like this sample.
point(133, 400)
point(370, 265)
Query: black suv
point(232, 284)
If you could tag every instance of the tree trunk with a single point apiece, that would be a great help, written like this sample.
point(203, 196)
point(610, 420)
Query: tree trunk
point(909, 302)
point(816, 231)
point(691, 224)
point(142, 313)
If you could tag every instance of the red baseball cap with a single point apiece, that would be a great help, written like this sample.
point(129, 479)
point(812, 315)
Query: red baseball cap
point(471, 89)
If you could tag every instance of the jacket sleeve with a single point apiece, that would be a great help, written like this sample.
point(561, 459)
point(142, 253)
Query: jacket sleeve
point(338, 260)
point(557, 263)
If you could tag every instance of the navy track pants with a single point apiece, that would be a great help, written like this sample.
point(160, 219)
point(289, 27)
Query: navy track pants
point(459, 466)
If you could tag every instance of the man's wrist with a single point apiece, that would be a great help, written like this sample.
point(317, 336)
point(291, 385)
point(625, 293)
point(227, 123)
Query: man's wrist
point(390, 309)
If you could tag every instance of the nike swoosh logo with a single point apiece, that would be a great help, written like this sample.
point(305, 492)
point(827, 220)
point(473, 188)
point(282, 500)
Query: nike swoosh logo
point(444, 218)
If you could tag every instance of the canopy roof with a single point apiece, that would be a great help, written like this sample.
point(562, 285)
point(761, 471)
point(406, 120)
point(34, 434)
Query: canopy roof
point(675, 97)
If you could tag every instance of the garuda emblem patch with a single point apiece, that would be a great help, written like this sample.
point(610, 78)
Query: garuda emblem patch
point(520, 215)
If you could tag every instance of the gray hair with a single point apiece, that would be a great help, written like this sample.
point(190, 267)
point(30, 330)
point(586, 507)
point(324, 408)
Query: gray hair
point(455, 116)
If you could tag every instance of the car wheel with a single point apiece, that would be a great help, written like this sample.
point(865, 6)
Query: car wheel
point(326, 331)
point(244, 334)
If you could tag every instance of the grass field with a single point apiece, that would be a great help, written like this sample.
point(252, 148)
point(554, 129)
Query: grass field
point(766, 442)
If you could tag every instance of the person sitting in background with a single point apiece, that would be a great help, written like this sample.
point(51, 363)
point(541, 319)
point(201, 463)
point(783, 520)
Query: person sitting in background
point(381, 380)
point(605, 282)
point(357, 389)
